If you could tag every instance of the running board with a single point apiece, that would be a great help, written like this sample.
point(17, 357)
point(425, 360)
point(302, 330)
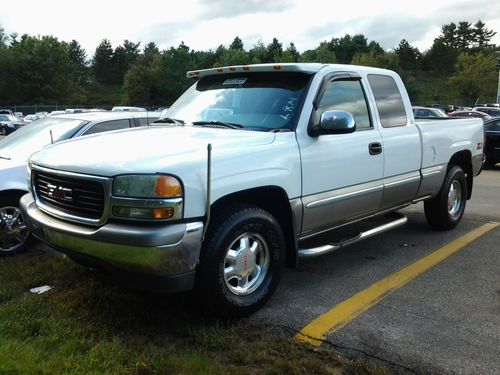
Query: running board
point(328, 248)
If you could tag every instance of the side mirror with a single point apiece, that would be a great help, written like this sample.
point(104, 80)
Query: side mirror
point(334, 122)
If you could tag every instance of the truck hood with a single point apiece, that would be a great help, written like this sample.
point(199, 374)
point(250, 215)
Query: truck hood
point(149, 149)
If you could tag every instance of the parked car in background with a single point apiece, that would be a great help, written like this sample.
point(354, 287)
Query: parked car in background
point(75, 110)
point(425, 112)
point(492, 145)
point(54, 113)
point(469, 114)
point(16, 149)
point(128, 109)
point(492, 111)
point(30, 118)
point(9, 124)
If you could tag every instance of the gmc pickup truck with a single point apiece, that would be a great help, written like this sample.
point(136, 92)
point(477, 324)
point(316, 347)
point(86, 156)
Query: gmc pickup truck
point(253, 168)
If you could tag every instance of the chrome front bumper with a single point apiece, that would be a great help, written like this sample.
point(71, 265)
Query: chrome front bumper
point(165, 254)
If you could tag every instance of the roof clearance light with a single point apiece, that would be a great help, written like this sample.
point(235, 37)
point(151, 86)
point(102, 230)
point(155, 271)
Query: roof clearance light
point(232, 68)
point(277, 67)
point(220, 70)
point(246, 67)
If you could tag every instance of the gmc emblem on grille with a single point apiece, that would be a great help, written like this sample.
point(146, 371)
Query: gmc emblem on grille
point(60, 193)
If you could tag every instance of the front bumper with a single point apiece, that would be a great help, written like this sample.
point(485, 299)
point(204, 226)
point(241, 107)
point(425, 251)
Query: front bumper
point(152, 257)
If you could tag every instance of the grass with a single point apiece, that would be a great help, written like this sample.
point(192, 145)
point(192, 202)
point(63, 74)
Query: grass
point(88, 325)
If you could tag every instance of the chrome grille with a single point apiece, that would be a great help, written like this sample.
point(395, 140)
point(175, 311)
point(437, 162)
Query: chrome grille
point(71, 195)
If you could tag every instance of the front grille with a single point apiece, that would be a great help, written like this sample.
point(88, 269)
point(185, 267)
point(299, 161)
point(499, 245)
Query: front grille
point(71, 195)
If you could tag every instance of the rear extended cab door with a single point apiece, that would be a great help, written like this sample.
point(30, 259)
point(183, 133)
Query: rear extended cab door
point(401, 139)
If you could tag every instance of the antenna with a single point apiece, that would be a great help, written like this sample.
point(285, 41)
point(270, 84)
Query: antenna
point(51, 137)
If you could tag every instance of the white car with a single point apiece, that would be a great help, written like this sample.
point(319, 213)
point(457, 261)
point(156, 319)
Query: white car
point(16, 148)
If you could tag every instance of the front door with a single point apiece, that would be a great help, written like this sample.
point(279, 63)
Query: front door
point(341, 173)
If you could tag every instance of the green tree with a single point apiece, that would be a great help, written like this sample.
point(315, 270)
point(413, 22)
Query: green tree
point(232, 57)
point(119, 66)
point(236, 44)
point(441, 57)
point(151, 49)
point(139, 83)
point(375, 48)
point(40, 71)
point(482, 35)
point(345, 47)
point(386, 60)
point(409, 57)
point(174, 63)
point(102, 63)
point(258, 54)
point(203, 59)
point(132, 51)
point(321, 54)
point(474, 77)
point(274, 50)
point(465, 36)
point(78, 59)
point(3, 38)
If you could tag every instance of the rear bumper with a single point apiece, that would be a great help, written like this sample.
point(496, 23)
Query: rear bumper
point(151, 257)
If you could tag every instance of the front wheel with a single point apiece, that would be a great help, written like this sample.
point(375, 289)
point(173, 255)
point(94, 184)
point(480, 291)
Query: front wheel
point(241, 262)
point(446, 209)
point(14, 233)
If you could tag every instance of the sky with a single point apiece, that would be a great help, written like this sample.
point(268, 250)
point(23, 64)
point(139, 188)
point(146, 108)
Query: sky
point(206, 24)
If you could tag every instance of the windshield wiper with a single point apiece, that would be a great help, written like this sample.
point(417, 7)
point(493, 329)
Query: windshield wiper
point(4, 157)
point(169, 120)
point(229, 125)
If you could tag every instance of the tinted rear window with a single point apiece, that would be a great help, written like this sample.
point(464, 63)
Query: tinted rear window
point(389, 102)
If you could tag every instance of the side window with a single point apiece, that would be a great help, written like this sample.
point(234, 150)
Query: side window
point(108, 126)
point(390, 105)
point(345, 96)
point(143, 121)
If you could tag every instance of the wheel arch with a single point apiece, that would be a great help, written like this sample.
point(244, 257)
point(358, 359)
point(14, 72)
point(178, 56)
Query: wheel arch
point(464, 160)
point(274, 200)
point(11, 193)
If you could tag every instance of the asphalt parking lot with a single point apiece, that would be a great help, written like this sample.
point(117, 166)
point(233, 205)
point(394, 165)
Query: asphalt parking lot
point(445, 320)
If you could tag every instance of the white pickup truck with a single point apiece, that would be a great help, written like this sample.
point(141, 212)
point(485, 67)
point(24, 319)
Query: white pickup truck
point(251, 169)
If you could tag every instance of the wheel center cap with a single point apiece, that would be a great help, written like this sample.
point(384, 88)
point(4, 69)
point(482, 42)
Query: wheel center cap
point(245, 263)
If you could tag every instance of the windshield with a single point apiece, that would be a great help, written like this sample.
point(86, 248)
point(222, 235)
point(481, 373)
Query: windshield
point(262, 101)
point(36, 135)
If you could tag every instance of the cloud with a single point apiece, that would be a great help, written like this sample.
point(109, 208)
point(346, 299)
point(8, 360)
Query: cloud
point(233, 8)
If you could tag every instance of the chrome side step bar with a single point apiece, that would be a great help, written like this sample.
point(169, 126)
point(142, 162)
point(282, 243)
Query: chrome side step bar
point(331, 247)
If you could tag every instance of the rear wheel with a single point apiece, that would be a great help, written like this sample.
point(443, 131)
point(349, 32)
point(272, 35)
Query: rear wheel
point(14, 233)
point(241, 262)
point(446, 210)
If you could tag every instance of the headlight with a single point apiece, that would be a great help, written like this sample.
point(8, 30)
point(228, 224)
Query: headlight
point(147, 186)
point(147, 197)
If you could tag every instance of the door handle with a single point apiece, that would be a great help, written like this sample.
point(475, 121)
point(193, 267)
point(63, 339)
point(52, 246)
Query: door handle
point(375, 148)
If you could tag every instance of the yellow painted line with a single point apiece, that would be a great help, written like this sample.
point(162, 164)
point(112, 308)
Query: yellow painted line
point(315, 332)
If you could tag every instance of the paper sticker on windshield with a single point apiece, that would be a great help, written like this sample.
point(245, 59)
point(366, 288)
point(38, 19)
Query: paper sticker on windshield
point(234, 81)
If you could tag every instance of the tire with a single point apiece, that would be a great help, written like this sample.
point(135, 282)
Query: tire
point(445, 211)
point(14, 233)
point(4, 132)
point(241, 262)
